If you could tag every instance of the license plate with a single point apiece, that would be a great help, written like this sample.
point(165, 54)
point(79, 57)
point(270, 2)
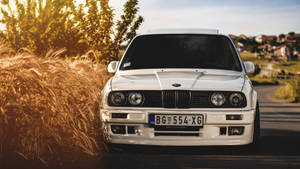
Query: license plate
point(176, 120)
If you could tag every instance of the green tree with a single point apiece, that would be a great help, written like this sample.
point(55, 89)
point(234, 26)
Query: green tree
point(40, 26)
point(125, 30)
point(43, 25)
point(282, 36)
point(291, 33)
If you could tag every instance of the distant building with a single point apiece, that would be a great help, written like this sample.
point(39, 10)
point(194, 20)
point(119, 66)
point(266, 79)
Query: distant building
point(296, 54)
point(282, 52)
point(286, 48)
point(269, 38)
point(242, 36)
point(240, 47)
point(293, 37)
point(233, 37)
point(265, 38)
point(258, 39)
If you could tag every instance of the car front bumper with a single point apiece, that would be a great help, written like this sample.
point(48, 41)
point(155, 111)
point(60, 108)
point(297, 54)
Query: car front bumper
point(208, 135)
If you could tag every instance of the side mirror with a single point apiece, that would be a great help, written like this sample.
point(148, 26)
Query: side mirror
point(250, 68)
point(112, 66)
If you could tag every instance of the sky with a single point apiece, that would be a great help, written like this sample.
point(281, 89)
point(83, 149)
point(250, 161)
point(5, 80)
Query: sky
point(249, 17)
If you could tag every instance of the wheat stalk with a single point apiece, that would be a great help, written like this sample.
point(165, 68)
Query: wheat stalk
point(49, 105)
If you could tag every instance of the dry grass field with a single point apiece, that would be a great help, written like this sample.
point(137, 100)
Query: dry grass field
point(49, 109)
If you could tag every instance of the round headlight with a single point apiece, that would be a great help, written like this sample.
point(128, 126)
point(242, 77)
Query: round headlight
point(236, 99)
point(135, 98)
point(218, 99)
point(117, 98)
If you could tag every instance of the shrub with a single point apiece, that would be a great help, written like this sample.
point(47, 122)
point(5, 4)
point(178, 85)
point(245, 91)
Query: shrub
point(77, 26)
point(49, 107)
point(290, 91)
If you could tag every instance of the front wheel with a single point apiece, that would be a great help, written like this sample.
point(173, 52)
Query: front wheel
point(256, 134)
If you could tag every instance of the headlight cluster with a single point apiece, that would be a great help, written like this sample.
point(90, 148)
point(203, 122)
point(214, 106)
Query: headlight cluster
point(135, 98)
point(234, 99)
point(123, 98)
point(117, 98)
point(217, 99)
point(177, 99)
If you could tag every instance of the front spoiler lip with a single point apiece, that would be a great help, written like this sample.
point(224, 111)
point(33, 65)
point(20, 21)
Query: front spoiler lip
point(183, 141)
point(236, 142)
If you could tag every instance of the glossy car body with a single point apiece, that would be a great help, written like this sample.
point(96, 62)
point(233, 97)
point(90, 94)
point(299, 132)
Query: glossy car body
point(127, 124)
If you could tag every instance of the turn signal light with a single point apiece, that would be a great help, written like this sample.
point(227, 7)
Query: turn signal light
point(233, 117)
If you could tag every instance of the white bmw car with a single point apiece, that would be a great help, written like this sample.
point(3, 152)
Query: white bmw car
point(180, 88)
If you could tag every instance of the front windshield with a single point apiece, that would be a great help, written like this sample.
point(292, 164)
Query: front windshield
point(181, 51)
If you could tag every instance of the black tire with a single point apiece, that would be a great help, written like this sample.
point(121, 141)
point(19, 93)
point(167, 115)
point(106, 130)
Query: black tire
point(254, 147)
point(256, 134)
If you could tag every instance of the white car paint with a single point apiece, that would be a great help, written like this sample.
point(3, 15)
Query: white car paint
point(190, 79)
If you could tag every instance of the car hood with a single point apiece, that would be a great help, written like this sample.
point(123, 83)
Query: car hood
point(185, 80)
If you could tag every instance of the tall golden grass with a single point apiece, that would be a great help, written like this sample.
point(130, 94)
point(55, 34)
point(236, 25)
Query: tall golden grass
point(290, 91)
point(49, 106)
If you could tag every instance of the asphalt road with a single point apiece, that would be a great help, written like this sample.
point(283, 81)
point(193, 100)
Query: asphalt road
point(279, 148)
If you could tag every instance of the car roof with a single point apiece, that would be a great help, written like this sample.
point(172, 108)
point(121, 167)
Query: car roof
point(183, 31)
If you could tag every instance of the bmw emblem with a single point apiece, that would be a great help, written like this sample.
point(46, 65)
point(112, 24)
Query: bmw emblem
point(176, 85)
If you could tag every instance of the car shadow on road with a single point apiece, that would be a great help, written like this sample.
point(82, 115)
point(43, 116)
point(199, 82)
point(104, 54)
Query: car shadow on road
point(285, 142)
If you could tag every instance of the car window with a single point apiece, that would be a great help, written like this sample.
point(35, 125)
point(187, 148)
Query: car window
point(181, 51)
